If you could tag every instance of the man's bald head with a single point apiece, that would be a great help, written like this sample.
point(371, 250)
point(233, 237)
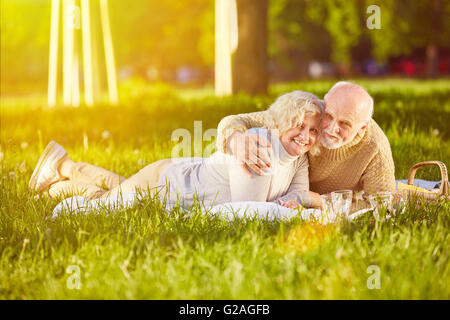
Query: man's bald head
point(348, 110)
point(351, 95)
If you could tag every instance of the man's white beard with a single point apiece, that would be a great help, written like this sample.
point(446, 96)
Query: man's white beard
point(329, 144)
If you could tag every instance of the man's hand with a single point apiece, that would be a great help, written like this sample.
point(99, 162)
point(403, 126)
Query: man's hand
point(252, 151)
point(316, 201)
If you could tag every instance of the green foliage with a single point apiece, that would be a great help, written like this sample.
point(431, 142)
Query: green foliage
point(164, 34)
point(24, 40)
point(171, 33)
point(297, 25)
point(147, 33)
point(330, 29)
point(145, 253)
point(405, 26)
point(342, 23)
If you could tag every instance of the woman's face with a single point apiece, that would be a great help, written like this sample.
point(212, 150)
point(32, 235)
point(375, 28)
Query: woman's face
point(300, 139)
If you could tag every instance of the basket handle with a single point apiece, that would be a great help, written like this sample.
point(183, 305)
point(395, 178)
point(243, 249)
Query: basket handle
point(443, 190)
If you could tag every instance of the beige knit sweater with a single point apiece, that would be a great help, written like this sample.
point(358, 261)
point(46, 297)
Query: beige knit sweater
point(364, 164)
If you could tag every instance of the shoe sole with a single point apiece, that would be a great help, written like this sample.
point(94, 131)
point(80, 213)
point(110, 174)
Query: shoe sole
point(44, 157)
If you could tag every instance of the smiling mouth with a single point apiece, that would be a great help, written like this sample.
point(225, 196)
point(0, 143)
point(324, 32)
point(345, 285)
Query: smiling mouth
point(330, 136)
point(301, 144)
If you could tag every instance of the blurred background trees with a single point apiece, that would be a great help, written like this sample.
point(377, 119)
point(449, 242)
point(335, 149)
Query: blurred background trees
point(250, 72)
point(173, 41)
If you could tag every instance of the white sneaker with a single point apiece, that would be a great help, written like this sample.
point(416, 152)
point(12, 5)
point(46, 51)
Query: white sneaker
point(46, 171)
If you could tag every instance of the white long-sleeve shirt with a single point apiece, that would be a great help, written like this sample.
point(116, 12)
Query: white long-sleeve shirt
point(220, 178)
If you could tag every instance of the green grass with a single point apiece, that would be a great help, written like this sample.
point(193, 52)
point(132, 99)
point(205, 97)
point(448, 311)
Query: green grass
point(144, 252)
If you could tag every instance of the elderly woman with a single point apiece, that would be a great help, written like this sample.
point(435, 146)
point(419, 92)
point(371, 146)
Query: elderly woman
point(293, 131)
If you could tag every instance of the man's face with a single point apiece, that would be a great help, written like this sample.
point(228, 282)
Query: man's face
point(342, 119)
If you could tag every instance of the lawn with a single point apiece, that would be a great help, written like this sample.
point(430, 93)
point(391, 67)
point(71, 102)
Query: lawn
point(145, 252)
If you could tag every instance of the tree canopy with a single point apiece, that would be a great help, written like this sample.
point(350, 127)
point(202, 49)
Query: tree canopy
point(165, 35)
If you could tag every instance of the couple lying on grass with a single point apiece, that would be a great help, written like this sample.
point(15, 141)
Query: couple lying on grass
point(299, 148)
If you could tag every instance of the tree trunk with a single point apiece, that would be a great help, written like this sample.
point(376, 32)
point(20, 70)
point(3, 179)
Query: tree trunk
point(432, 60)
point(250, 73)
point(432, 50)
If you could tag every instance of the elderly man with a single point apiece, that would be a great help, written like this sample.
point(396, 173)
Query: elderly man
point(354, 153)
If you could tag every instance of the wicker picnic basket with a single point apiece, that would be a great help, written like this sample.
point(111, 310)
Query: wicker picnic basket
point(443, 191)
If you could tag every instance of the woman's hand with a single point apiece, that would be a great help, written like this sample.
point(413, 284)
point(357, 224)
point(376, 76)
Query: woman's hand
point(316, 201)
point(293, 204)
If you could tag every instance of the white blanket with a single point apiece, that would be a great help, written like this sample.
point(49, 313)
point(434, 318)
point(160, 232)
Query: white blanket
point(228, 211)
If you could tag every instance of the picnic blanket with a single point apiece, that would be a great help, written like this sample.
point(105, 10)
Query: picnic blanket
point(228, 211)
point(420, 183)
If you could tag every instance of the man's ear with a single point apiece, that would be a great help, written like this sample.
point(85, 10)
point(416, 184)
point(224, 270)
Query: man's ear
point(363, 127)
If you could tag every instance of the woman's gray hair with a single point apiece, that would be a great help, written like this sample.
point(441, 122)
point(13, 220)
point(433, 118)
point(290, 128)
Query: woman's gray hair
point(289, 110)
